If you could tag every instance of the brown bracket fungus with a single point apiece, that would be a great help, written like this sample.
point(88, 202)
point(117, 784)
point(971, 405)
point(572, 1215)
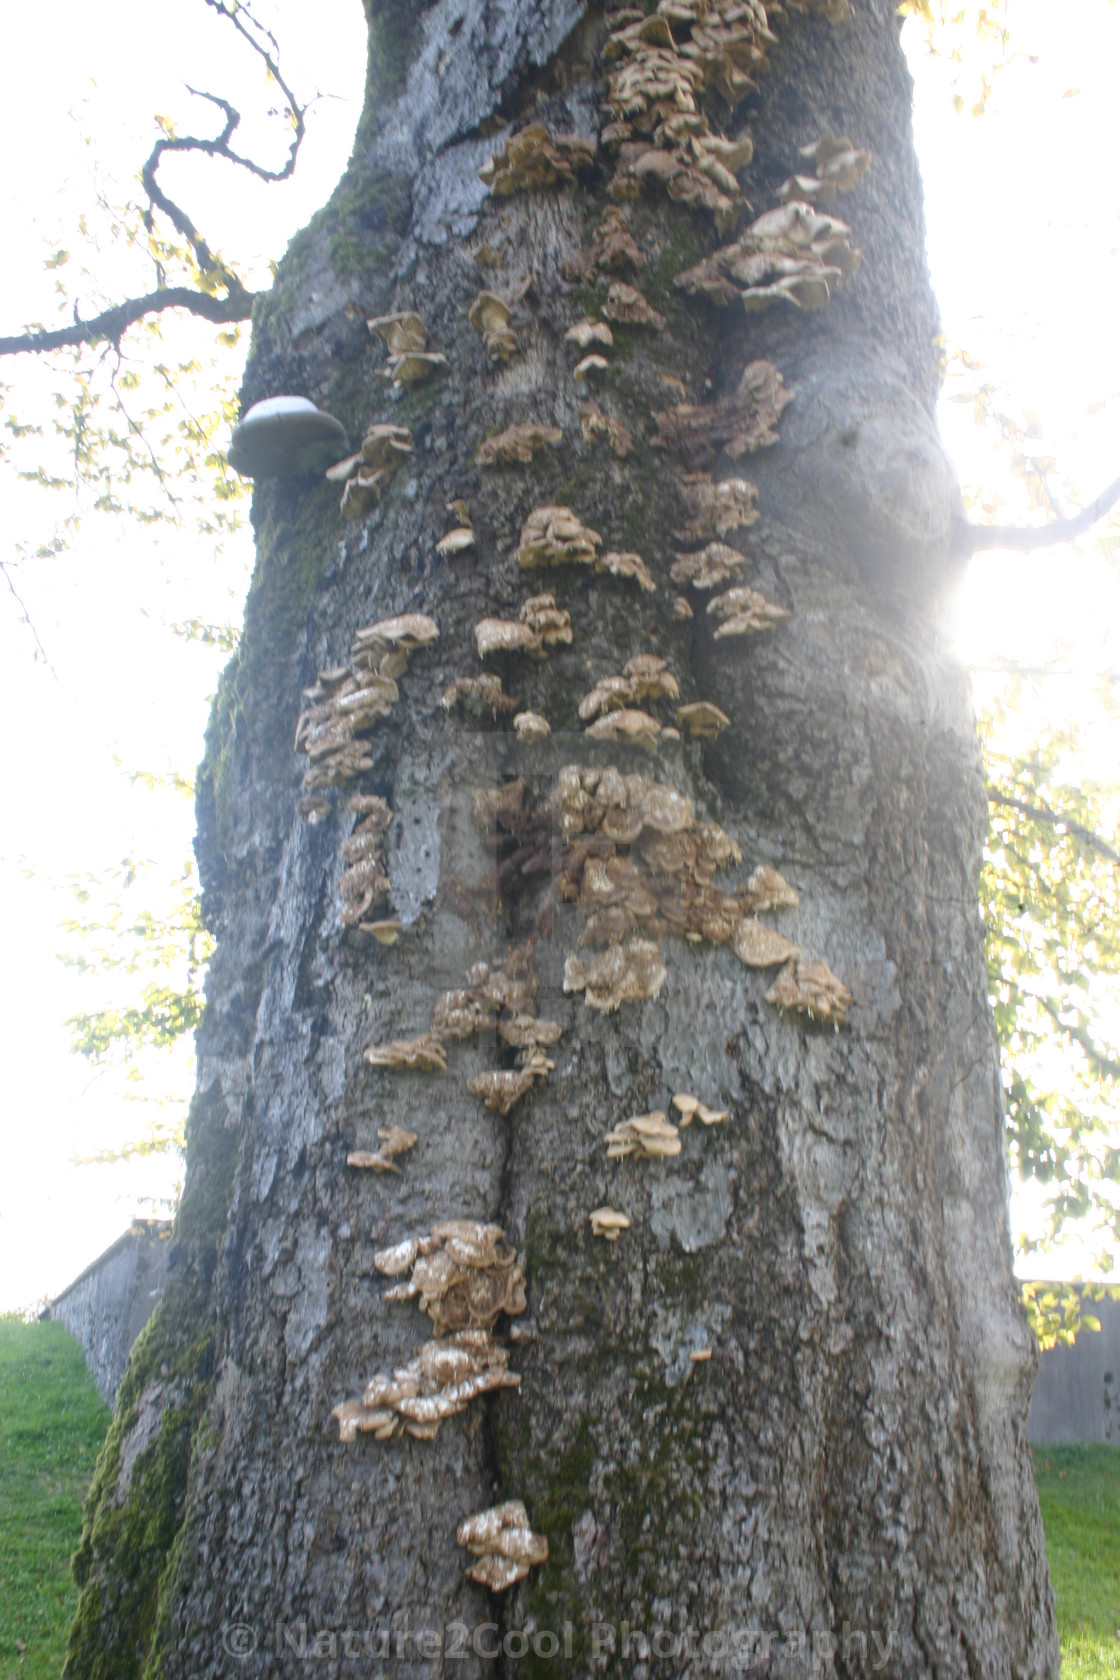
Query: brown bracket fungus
point(363, 882)
point(386, 932)
point(626, 305)
point(627, 972)
point(536, 158)
point(516, 443)
point(553, 536)
point(767, 890)
point(283, 437)
point(542, 625)
point(743, 612)
point(363, 475)
point(456, 541)
point(609, 1223)
point(503, 1544)
point(395, 1140)
point(490, 314)
point(439, 1381)
point(645, 678)
point(627, 566)
point(741, 423)
point(502, 1089)
point(681, 607)
point(593, 423)
point(531, 727)
point(716, 508)
point(424, 1055)
point(476, 1007)
point(477, 695)
point(405, 336)
point(690, 1108)
point(759, 946)
point(588, 332)
point(464, 1275)
point(702, 720)
point(708, 567)
point(589, 365)
point(613, 250)
point(343, 704)
point(648, 1136)
point(627, 727)
point(811, 988)
point(836, 11)
point(837, 160)
point(794, 254)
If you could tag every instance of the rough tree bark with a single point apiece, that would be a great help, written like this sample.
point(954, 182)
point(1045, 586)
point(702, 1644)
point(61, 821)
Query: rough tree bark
point(852, 1459)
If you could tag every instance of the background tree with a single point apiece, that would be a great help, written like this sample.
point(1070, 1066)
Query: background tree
point(842, 1243)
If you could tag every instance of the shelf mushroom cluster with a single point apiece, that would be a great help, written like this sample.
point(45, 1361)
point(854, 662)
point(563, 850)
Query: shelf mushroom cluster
point(365, 880)
point(349, 700)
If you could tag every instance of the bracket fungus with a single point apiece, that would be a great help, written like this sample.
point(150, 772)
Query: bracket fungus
point(681, 607)
point(516, 443)
point(588, 332)
point(628, 971)
point(554, 536)
point(609, 1223)
point(542, 625)
point(811, 988)
point(503, 1545)
point(716, 508)
point(502, 1089)
point(283, 437)
point(836, 160)
point(759, 946)
point(612, 251)
point(702, 720)
point(589, 365)
point(405, 337)
point(626, 305)
point(395, 1140)
point(794, 254)
point(767, 890)
point(536, 158)
point(439, 1381)
point(364, 882)
point(456, 541)
point(464, 1276)
point(627, 566)
point(739, 424)
point(743, 612)
point(531, 727)
point(488, 992)
point(593, 423)
point(648, 1136)
point(477, 695)
point(385, 932)
point(627, 727)
point(363, 475)
point(411, 1055)
point(708, 567)
point(490, 314)
point(690, 1108)
point(341, 706)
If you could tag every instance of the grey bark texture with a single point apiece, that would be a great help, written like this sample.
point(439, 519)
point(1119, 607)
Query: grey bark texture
point(845, 1486)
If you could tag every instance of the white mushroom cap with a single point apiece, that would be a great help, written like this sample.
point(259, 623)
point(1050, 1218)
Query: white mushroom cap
point(284, 437)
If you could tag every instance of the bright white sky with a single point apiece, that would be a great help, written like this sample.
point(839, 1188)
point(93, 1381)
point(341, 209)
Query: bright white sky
point(1024, 237)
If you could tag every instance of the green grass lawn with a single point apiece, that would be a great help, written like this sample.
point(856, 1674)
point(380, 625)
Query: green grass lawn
point(52, 1422)
point(1079, 1490)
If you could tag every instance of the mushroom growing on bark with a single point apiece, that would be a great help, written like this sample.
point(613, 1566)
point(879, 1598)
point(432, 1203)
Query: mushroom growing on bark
point(503, 1544)
point(285, 437)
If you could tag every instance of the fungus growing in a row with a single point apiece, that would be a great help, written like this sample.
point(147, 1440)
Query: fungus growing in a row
point(629, 566)
point(342, 705)
point(479, 694)
point(646, 677)
point(536, 158)
point(284, 437)
point(476, 1007)
point(648, 1136)
point(759, 946)
point(626, 305)
point(516, 443)
point(690, 1108)
point(627, 727)
point(588, 332)
point(439, 1381)
point(620, 807)
point(794, 254)
point(696, 169)
point(716, 508)
point(395, 1140)
point(628, 971)
point(743, 612)
point(594, 423)
point(612, 251)
point(811, 988)
point(739, 424)
point(531, 727)
point(412, 1055)
point(364, 475)
point(364, 881)
point(609, 1223)
point(405, 337)
point(702, 720)
point(464, 1276)
point(503, 1545)
point(501, 1089)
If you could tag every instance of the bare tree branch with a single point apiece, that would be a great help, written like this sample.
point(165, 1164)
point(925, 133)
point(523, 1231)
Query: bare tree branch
point(27, 619)
point(237, 304)
point(974, 539)
point(1045, 813)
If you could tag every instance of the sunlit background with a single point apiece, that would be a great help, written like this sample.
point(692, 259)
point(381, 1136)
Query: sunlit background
point(106, 687)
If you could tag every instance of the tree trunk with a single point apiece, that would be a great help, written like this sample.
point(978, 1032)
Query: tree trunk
point(844, 1486)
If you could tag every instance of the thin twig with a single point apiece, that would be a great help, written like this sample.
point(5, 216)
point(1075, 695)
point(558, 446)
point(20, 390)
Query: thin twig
point(1045, 813)
point(974, 539)
point(27, 619)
